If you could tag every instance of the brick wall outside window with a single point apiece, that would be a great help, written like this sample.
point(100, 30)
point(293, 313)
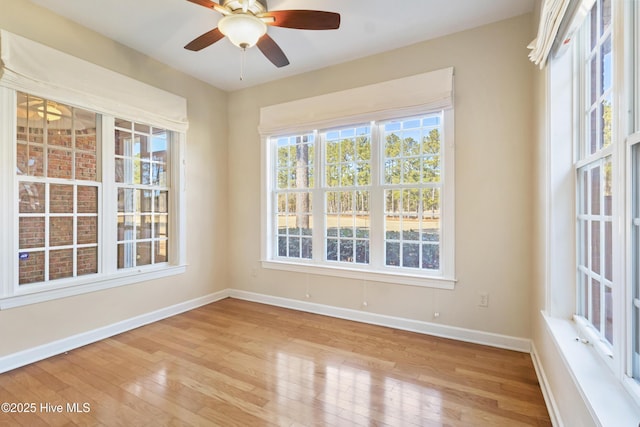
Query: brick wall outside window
point(57, 169)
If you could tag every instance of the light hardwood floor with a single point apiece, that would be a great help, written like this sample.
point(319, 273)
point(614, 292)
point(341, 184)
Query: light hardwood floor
point(236, 363)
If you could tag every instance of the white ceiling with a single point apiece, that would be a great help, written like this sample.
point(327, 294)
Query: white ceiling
point(160, 29)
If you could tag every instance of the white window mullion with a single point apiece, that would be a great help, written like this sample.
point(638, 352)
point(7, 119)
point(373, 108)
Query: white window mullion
point(108, 203)
point(177, 200)
point(447, 197)
point(8, 184)
point(376, 257)
point(319, 200)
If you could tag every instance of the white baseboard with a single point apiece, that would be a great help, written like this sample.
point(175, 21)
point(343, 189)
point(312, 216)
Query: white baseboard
point(552, 406)
point(25, 357)
point(444, 331)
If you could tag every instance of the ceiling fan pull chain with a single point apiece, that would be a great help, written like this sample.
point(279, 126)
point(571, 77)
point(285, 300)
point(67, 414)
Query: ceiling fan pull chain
point(242, 55)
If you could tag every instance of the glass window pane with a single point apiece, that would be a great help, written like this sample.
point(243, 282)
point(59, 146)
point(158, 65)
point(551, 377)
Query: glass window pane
point(595, 190)
point(282, 246)
point(605, 109)
point(61, 231)
point(392, 254)
point(393, 172)
point(31, 232)
point(139, 127)
point(123, 143)
point(143, 253)
point(608, 314)
point(87, 229)
point(86, 166)
point(87, 261)
point(32, 197)
point(126, 227)
point(294, 247)
point(431, 169)
point(31, 267)
point(595, 246)
point(346, 250)
point(592, 141)
point(593, 81)
point(332, 249)
point(59, 163)
point(431, 256)
point(87, 199)
point(60, 198)
point(85, 130)
point(606, 66)
point(392, 146)
point(161, 251)
point(605, 12)
point(362, 251)
point(59, 123)
point(595, 303)
point(160, 226)
point(306, 249)
point(60, 264)
point(121, 123)
point(411, 255)
point(143, 226)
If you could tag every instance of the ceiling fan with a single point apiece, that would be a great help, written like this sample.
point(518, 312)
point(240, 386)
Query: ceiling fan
point(245, 23)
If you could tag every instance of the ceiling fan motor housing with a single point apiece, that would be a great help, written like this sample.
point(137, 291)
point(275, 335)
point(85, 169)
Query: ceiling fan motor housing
point(255, 6)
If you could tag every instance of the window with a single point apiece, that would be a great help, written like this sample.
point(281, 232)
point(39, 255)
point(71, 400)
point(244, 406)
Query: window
point(594, 169)
point(362, 197)
point(58, 187)
point(347, 191)
point(360, 183)
point(294, 175)
point(60, 184)
point(412, 187)
point(91, 177)
point(142, 165)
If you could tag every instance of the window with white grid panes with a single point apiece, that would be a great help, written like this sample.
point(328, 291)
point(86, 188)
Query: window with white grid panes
point(293, 196)
point(379, 202)
point(412, 188)
point(347, 166)
point(142, 183)
point(594, 175)
point(58, 190)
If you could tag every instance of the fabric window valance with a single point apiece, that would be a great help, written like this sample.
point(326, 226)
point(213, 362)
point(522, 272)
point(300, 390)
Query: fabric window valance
point(43, 71)
point(391, 99)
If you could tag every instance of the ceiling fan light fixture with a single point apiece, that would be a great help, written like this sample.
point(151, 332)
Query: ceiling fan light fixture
point(244, 30)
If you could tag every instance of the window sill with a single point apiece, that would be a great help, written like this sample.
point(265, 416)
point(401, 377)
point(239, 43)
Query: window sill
point(607, 397)
point(400, 278)
point(31, 295)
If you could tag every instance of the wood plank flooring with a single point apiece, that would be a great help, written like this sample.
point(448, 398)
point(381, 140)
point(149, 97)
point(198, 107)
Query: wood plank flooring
point(236, 363)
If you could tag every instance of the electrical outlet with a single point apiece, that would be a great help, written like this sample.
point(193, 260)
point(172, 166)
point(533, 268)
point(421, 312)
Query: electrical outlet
point(483, 299)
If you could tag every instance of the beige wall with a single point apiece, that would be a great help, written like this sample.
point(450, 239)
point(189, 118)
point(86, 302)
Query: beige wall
point(33, 325)
point(493, 184)
point(494, 218)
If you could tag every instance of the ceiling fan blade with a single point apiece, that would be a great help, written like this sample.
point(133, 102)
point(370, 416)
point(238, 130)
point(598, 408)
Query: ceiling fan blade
point(205, 40)
point(206, 3)
point(272, 51)
point(304, 19)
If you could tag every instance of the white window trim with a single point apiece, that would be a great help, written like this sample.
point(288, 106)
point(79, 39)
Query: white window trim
point(411, 96)
point(605, 383)
point(70, 80)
